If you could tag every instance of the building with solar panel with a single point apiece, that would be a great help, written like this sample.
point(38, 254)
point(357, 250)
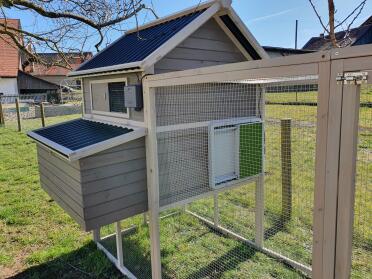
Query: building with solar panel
point(96, 167)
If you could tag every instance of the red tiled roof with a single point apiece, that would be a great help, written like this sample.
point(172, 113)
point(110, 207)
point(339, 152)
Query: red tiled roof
point(42, 70)
point(9, 53)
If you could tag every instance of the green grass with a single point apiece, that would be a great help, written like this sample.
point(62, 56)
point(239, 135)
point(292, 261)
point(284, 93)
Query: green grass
point(311, 96)
point(38, 240)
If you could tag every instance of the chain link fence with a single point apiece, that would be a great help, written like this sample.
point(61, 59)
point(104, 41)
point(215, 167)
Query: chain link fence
point(25, 112)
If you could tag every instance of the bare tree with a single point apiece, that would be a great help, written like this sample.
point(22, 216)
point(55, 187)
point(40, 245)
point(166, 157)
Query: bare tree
point(66, 26)
point(333, 24)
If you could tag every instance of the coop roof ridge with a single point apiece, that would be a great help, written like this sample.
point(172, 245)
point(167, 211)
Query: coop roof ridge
point(140, 48)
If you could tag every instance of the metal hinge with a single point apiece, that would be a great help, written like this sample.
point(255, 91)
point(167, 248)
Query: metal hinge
point(352, 78)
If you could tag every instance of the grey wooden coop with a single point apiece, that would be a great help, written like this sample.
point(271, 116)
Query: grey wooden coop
point(211, 135)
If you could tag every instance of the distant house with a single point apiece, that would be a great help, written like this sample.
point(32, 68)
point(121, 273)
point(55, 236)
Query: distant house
point(13, 81)
point(274, 52)
point(57, 74)
point(356, 36)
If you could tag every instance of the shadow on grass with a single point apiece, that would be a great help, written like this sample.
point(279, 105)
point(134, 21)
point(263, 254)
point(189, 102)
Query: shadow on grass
point(85, 262)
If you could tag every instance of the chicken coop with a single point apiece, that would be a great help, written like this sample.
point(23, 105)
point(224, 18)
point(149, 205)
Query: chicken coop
point(181, 171)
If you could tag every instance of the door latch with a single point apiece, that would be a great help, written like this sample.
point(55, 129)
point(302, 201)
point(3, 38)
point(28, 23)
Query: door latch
point(352, 78)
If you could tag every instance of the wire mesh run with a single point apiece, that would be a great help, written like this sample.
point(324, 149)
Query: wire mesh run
point(237, 159)
point(290, 126)
point(362, 234)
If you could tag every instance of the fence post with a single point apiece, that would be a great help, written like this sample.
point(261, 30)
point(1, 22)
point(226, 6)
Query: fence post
point(42, 114)
point(286, 155)
point(152, 179)
point(346, 180)
point(18, 114)
point(2, 118)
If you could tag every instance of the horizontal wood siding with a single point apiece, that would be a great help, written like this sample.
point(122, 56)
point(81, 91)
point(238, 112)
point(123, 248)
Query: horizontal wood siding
point(207, 46)
point(114, 181)
point(56, 180)
point(99, 189)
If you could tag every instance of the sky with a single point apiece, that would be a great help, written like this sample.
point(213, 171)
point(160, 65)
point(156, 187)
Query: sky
point(272, 22)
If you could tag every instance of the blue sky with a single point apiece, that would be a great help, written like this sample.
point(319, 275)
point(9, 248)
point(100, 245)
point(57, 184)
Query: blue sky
point(272, 22)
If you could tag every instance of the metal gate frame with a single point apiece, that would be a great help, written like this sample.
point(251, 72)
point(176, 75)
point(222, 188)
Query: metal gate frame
point(337, 115)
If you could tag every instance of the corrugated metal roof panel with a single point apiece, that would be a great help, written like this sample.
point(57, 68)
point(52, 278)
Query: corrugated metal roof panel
point(138, 45)
point(70, 137)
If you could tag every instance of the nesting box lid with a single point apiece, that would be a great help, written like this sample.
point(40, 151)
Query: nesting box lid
point(80, 138)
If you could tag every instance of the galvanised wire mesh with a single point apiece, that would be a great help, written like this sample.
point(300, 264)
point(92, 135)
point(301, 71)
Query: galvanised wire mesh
point(135, 244)
point(290, 119)
point(221, 156)
point(362, 234)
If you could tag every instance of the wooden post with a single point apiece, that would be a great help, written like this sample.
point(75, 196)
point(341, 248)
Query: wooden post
point(18, 114)
point(347, 177)
point(152, 179)
point(96, 235)
point(2, 118)
point(119, 245)
point(42, 114)
point(260, 211)
point(286, 155)
point(216, 213)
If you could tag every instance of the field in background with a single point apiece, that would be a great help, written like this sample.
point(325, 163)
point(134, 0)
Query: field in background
point(40, 240)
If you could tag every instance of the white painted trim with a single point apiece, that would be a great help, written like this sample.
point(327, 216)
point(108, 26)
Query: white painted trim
point(113, 120)
point(112, 259)
point(184, 126)
point(76, 72)
point(109, 73)
point(180, 36)
point(106, 113)
point(168, 128)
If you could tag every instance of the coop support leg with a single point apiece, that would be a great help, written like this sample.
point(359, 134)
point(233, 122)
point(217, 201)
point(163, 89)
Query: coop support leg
point(260, 209)
point(152, 178)
point(119, 245)
point(145, 219)
point(216, 213)
point(97, 235)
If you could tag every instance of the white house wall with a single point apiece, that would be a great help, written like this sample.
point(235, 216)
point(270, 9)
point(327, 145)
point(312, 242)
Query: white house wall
point(8, 86)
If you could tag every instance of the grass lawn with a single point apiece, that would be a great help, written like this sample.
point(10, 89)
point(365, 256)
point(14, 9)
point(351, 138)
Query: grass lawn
point(38, 240)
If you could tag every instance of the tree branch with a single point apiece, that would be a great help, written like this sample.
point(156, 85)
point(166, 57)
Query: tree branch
point(318, 15)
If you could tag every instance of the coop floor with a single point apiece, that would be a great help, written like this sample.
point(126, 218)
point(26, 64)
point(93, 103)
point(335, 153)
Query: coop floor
point(191, 249)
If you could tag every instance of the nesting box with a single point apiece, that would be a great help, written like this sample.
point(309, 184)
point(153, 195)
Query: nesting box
point(95, 171)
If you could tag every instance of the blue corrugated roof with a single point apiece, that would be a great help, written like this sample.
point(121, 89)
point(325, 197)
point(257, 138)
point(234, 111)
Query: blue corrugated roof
point(138, 45)
point(80, 133)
